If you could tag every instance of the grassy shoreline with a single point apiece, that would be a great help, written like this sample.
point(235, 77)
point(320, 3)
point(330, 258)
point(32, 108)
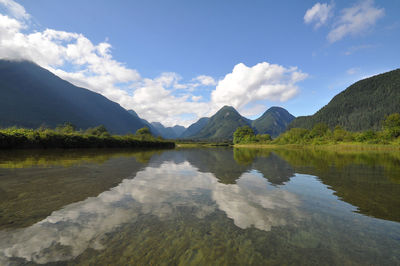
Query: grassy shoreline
point(331, 147)
point(202, 144)
point(342, 147)
point(52, 139)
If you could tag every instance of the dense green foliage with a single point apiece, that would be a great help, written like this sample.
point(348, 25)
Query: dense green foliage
point(246, 135)
point(392, 125)
point(322, 134)
point(361, 106)
point(31, 96)
point(243, 134)
point(65, 136)
point(273, 122)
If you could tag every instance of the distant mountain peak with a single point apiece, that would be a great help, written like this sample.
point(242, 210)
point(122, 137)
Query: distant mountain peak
point(169, 132)
point(227, 119)
point(222, 124)
point(227, 108)
point(274, 121)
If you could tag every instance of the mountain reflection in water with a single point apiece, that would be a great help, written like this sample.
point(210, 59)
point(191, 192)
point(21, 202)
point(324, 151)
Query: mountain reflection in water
point(222, 206)
point(154, 191)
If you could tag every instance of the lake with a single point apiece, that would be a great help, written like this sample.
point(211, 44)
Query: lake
point(195, 206)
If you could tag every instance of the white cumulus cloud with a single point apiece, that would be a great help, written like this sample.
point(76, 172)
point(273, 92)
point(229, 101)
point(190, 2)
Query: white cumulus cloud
point(355, 20)
point(264, 81)
point(166, 98)
point(318, 14)
point(205, 80)
point(14, 9)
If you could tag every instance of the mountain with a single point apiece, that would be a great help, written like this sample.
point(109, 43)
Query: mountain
point(132, 112)
point(31, 96)
point(168, 132)
point(273, 122)
point(361, 106)
point(178, 130)
point(153, 130)
point(222, 125)
point(195, 128)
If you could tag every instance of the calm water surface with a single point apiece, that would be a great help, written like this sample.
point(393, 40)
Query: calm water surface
point(199, 207)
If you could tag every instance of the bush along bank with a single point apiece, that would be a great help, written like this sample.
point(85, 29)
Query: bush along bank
point(321, 134)
point(67, 137)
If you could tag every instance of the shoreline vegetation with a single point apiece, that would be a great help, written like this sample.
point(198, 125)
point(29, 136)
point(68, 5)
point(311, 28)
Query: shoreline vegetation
point(338, 147)
point(321, 136)
point(66, 136)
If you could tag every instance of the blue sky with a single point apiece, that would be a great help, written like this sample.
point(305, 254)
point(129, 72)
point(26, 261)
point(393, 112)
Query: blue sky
point(249, 54)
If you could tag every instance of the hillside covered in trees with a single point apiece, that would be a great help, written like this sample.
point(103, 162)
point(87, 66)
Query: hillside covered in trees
point(362, 106)
point(222, 124)
point(273, 122)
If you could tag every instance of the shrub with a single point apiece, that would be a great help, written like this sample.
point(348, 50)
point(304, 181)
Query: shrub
point(391, 125)
point(243, 134)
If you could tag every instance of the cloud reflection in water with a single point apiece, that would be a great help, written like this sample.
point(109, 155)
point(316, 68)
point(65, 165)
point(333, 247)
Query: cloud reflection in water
point(66, 233)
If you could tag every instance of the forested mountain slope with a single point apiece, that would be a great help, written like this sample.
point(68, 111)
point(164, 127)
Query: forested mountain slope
point(361, 106)
point(273, 122)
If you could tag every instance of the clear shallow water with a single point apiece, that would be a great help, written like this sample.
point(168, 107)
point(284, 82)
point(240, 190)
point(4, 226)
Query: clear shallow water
point(201, 207)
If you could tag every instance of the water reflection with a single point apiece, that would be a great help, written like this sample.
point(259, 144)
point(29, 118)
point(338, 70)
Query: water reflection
point(204, 206)
point(157, 191)
point(52, 179)
point(368, 180)
point(228, 166)
point(67, 158)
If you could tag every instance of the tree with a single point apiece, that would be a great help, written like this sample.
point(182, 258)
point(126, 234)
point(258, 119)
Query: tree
point(263, 137)
point(392, 125)
point(98, 131)
point(294, 135)
point(319, 130)
point(144, 133)
point(243, 134)
point(67, 127)
point(339, 134)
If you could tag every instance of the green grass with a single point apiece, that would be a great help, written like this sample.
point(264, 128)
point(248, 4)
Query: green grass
point(22, 138)
point(342, 147)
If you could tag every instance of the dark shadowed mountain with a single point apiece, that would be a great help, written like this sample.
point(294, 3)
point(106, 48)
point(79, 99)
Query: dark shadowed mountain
point(361, 106)
point(31, 96)
point(168, 132)
point(273, 122)
point(195, 128)
point(222, 125)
